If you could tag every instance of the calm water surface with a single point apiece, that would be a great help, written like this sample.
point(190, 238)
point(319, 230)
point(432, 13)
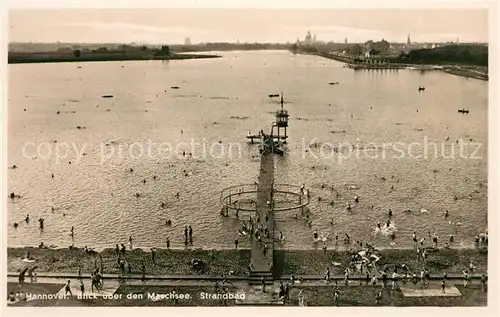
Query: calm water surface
point(219, 100)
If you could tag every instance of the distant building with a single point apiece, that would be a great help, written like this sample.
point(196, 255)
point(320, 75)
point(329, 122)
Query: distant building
point(187, 41)
point(308, 39)
point(371, 52)
point(408, 40)
point(345, 40)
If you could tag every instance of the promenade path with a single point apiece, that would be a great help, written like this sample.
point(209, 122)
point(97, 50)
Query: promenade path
point(263, 263)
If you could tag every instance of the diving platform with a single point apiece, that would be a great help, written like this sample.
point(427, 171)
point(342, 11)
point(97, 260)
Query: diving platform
point(278, 136)
point(254, 138)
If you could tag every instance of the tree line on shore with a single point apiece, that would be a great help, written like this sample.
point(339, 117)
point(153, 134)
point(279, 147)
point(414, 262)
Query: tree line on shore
point(467, 54)
point(460, 54)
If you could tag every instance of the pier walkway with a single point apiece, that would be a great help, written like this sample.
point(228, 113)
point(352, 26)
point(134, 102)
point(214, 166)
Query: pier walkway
point(263, 263)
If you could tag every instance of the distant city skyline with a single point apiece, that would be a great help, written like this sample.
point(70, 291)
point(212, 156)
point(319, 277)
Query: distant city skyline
point(173, 26)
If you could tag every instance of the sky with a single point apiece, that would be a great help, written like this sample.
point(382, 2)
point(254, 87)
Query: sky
point(172, 26)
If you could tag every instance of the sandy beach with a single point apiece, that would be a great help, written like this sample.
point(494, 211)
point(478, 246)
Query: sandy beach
point(299, 262)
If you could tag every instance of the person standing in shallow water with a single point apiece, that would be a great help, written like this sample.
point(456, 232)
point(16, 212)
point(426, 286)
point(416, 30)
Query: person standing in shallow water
point(190, 234)
point(130, 242)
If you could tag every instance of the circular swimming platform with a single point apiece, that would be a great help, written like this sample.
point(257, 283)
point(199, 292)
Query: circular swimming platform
point(243, 197)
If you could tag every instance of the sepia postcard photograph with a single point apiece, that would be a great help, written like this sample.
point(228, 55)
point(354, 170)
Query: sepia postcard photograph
point(272, 157)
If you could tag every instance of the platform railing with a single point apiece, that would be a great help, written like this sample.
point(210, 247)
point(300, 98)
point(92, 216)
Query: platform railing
point(231, 196)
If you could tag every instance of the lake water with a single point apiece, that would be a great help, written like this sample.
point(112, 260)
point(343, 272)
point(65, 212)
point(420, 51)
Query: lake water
point(219, 100)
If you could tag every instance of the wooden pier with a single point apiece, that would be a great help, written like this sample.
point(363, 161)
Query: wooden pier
point(263, 264)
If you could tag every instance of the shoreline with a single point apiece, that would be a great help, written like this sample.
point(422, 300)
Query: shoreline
point(452, 70)
point(221, 262)
point(338, 248)
point(32, 58)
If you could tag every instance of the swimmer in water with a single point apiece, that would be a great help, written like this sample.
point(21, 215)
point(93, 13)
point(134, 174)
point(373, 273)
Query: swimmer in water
point(390, 212)
point(52, 175)
point(378, 225)
point(27, 219)
point(414, 238)
point(356, 198)
point(348, 207)
point(446, 214)
point(15, 225)
point(315, 235)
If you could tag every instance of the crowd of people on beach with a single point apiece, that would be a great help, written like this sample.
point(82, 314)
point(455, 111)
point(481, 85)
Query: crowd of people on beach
point(364, 256)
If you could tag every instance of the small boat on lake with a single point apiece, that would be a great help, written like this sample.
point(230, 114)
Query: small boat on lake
point(463, 111)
